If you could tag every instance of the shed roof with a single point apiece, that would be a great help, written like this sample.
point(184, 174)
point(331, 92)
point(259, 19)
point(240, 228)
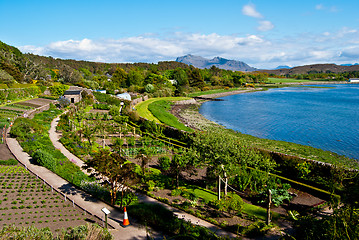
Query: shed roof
point(76, 92)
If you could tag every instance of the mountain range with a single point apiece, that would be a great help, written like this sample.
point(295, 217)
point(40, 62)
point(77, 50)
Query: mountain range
point(222, 63)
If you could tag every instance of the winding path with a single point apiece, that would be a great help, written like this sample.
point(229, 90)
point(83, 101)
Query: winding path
point(118, 216)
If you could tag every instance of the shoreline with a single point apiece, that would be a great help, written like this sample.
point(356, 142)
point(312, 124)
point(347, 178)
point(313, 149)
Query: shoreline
point(187, 112)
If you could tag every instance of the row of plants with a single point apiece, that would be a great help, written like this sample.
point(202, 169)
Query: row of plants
point(78, 232)
point(26, 200)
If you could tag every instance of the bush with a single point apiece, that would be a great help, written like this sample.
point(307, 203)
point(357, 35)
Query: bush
point(176, 192)
point(256, 229)
point(231, 202)
point(165, 162)
point(44, 159)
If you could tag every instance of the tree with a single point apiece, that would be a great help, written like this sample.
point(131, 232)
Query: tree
point(119, 77)
point(195, 78)
point(181, 77)
point(182, 161)
point(115, 171)
point(89, 132)
point(135, 78)
point(149, 88)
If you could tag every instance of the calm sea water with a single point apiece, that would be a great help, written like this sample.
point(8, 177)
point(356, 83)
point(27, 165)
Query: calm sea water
point(322, 116)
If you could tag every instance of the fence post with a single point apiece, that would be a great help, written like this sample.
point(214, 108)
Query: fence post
point(269, 203)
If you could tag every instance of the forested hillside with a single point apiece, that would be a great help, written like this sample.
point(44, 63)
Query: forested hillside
point(168, 78)
point(16, 67)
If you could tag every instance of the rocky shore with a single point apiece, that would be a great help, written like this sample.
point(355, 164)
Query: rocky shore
point(187, 111)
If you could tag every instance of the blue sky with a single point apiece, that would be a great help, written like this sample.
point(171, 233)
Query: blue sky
point(262, 33)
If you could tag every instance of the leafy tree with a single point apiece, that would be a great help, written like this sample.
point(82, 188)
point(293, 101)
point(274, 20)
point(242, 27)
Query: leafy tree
point(6, 78)
point(149, 88)
point(119, 77)
point(134, 77)
point(89, 132)
point(114, 111)
point(183, 161)
point(195, 78)
point(114, 170)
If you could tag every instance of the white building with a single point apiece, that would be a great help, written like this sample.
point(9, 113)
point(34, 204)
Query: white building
point(124, 96)
point(354, 80)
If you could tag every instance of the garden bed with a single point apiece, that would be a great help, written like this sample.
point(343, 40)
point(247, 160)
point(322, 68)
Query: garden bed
point(26, 200)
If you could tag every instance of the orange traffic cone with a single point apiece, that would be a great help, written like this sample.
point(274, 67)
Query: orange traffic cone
point(126, 222)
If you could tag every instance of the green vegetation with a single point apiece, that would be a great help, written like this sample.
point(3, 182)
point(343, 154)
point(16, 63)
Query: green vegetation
point(248, 161)
point(143, 111)
point(162, 219)
point(196, 94)
point(160, 109)
point(32, 233)
point(287, 80)
point(33, 137)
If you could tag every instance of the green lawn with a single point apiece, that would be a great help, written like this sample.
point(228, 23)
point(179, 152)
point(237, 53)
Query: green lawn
point(142, 107)
point(161, 110)
point(287, 80)
point(196, 94)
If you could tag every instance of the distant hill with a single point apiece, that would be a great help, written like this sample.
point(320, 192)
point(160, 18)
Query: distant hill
point(281, 67)
point(222, 63)
point(315, 68)
point(349, 64)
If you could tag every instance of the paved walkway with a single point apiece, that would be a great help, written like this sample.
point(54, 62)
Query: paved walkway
point(55, 136)
point(81, 198)
point(91, 204)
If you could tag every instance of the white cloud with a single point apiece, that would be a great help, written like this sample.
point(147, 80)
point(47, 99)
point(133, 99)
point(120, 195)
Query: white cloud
point(319, 7)
point(259, 51)
point(265, 26)
point(250, 10)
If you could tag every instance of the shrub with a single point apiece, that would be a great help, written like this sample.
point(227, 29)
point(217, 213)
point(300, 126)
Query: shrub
point(165, 162)
point(176, 192)
point(45, 159)
point(231, 202)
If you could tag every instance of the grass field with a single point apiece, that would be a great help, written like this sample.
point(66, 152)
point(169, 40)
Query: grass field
point(142, 107)
point(196, 94)
point(287, 80)
point(161, 110)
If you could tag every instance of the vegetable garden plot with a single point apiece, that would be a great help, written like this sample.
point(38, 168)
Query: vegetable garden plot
point(26, 200)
